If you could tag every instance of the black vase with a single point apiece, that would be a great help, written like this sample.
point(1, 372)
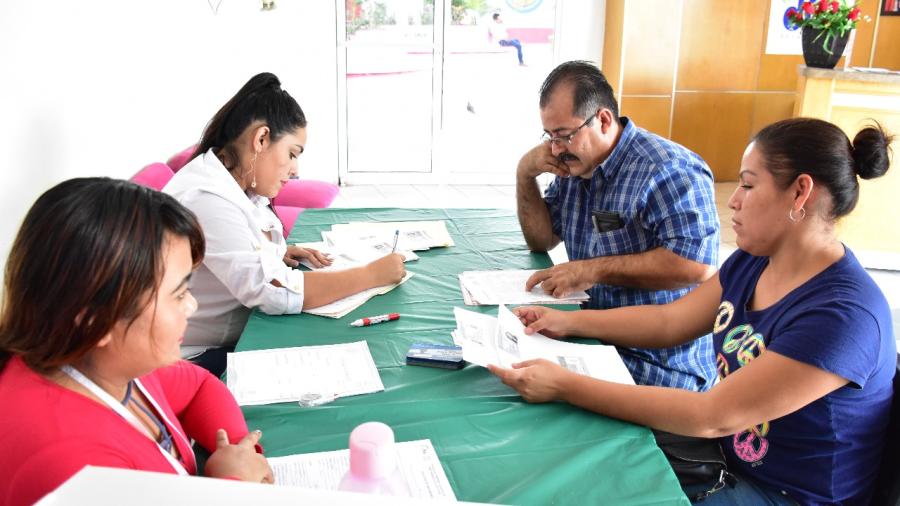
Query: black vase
point(814, 53)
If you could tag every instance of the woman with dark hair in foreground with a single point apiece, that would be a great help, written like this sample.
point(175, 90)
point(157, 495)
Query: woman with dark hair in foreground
point(96, 302)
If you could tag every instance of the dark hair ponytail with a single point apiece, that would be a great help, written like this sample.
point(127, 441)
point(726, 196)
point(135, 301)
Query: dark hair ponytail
point(820, 149)
point(260, 99)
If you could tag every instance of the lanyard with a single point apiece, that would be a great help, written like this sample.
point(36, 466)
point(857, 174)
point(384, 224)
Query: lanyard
point(122, 411)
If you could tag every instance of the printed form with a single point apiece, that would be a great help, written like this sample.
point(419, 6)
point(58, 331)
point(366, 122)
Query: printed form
point(502, 341)
point(417, 464)
point(414, 235)
point(341, 307)
point(508, 287)
point(352, 254)
point(286, 374)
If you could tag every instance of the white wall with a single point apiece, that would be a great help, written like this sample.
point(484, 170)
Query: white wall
point(104, 88)
point(581, 35)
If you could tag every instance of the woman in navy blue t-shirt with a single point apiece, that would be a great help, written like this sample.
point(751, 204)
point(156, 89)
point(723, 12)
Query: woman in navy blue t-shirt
point(803, 337)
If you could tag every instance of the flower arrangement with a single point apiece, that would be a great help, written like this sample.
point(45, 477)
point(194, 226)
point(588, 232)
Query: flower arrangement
point(830, 18)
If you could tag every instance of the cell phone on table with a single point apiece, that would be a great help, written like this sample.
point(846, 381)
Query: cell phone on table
point(443, 356)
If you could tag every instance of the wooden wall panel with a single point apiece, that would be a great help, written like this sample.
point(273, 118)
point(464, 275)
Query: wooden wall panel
point(769, 108)
point(778, 72)
point(887, 43)
point(716, 126)
point(650, 113)
point(650, 60)
point(862, 44)
point(612, 44)
point(720, 45)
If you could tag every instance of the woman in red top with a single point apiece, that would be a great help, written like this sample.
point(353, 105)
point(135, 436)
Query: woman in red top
point(96, 302)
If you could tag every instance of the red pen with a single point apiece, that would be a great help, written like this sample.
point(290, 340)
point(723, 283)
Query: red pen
point(372, 320)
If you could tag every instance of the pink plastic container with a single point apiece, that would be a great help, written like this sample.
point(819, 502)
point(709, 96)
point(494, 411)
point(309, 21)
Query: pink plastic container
point(373, 462)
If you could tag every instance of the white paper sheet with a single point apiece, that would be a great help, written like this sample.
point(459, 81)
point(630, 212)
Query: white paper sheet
point(417, 463)
point(355, 254)
point(341, 307)
point(502, 341)
point(414, 235)
point(285, 374)
point(508, 287)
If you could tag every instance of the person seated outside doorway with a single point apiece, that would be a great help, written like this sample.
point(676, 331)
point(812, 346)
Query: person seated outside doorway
point(498, 33)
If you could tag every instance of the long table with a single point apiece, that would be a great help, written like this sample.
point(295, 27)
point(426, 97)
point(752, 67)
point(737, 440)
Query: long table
point(494, 446)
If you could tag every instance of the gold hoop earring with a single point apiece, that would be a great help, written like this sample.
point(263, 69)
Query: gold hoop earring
point(801, 212)
point(253, 169)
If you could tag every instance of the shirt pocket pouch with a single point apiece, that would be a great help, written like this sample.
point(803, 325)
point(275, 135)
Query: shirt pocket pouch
point(614, 242)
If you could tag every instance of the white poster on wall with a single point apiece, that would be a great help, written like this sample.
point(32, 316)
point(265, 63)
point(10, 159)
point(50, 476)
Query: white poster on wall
point(781, 39)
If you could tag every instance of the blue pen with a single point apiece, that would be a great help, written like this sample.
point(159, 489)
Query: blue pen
point(396, 237)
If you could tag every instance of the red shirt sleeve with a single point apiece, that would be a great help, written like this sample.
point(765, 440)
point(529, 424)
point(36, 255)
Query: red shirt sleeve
point(202, 403)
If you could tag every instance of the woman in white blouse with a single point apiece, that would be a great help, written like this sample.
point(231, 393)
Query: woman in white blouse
point(248, 152)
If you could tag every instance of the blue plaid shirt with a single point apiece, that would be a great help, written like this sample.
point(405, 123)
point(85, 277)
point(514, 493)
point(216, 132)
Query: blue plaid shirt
point(664, 195)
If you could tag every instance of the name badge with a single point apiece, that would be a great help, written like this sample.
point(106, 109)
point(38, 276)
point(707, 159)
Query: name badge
point(606, 221)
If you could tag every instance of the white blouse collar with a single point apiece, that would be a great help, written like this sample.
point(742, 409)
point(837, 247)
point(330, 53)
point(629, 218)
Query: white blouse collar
point(222, 183)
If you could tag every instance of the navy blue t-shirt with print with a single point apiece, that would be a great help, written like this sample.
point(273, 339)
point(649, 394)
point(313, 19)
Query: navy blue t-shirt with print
point(827, 452)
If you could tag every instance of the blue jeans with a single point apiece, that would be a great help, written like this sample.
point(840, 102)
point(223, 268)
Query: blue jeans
point(514, 43)
point(745, 493)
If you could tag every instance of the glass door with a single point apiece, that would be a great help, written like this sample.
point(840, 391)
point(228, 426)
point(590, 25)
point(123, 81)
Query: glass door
point(490, 100)
point(390, 56)
point(432, 91)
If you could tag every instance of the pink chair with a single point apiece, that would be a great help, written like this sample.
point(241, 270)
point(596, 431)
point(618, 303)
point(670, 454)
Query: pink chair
point(180, 159)
point(296, 195)
point(155, 176)
point(308, 194)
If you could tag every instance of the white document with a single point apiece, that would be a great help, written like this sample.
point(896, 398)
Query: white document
point(286, 374)
point(341, 307)
point(502, 341)
point(508, 287)
point(355, 254)
point(414, 235)
point(417, 463)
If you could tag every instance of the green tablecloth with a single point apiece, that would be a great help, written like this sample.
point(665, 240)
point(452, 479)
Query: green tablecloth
point(494, 447)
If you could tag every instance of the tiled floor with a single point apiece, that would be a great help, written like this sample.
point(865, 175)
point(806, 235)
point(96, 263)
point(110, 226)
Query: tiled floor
point(474, 196)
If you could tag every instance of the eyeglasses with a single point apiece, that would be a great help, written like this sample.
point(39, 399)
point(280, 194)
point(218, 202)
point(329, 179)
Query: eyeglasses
point(567, 139)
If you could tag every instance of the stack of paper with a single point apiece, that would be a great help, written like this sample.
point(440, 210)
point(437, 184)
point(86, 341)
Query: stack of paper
point(502, 341)
point(286, 374)
point(353, 253)
point(417, 463)
point(340, 308)
point(414, 235)
point(508, 287)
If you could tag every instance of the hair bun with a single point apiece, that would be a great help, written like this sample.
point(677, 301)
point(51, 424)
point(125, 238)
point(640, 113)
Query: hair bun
point(871, 152)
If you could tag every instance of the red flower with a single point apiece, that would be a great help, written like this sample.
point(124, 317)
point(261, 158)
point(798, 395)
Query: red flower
point(835, 6)
point(808, 8)
point(792, 15)
point(854, 14)
point(823, 6)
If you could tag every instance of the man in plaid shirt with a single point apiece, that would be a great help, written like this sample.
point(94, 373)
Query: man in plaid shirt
point(636, 212)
